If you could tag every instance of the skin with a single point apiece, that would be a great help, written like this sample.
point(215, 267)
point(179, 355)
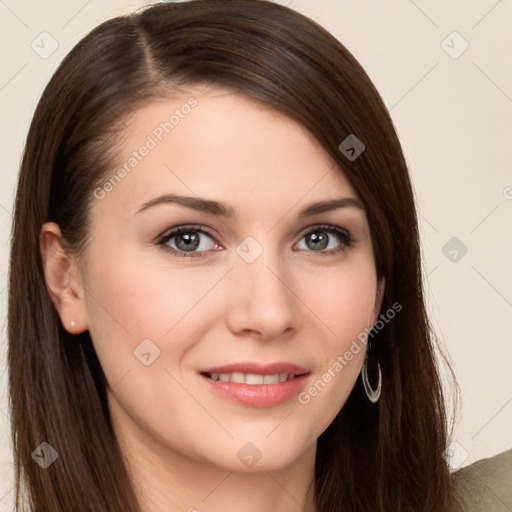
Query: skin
point(291, 304)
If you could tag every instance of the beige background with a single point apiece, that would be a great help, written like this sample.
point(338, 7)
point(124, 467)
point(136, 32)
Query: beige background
point(453, 113)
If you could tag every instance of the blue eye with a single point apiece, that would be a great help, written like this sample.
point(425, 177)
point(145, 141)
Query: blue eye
point(196, 241)
point(187, 241)
point(320, 238)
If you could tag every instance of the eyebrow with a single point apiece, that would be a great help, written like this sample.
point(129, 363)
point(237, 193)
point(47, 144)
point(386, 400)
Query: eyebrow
point(225, 210)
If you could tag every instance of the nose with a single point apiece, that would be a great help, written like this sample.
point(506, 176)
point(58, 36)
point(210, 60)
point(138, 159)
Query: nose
point(263, 303)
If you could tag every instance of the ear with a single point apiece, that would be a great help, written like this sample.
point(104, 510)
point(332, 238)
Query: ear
point(379, 297)
point(63, 279)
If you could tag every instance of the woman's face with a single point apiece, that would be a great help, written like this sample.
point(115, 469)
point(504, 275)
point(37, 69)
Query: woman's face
point(258, 279)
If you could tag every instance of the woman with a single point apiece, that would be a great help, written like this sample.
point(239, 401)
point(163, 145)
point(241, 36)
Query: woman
point(215, 291)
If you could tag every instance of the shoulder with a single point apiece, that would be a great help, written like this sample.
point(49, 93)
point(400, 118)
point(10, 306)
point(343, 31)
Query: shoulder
point(485, 485)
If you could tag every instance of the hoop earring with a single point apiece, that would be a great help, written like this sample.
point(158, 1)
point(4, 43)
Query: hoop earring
point(372, 395)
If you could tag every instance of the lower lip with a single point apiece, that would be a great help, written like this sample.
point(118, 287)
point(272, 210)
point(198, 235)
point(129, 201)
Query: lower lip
point(258, 395)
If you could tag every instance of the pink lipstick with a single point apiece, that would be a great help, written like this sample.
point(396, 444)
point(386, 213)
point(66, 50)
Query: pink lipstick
point(256, 384)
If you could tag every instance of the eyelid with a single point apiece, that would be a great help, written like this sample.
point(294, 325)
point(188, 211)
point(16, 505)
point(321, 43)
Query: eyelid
point(191, 227)
point(330, 227)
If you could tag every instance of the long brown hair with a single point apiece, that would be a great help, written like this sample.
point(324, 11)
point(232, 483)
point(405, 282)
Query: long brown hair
point(386, 456)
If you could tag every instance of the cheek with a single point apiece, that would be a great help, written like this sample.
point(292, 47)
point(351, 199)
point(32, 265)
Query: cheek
point(128, 303)
point(346, 303)
point(346, 308)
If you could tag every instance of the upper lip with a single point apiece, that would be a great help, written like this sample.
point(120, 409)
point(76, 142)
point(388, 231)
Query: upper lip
point(258, 368)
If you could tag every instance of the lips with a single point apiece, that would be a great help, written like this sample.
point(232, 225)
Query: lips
point(257, 368)
point(256, 384)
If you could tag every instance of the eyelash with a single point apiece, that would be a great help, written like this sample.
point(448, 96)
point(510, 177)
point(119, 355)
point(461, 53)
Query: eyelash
point(347, 240)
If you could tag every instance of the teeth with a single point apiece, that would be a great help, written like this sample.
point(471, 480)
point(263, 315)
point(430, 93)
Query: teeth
point(271, 379)
point(236, 377)
point(252, 378)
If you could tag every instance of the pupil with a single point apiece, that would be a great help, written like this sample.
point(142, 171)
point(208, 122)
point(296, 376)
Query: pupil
point(191, 241)
point(319, 242)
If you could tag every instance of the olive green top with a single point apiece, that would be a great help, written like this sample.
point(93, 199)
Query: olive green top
point(485, 485)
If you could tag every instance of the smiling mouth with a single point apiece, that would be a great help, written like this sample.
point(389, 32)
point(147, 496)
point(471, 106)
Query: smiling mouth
point(255, 384)
point(252, 378)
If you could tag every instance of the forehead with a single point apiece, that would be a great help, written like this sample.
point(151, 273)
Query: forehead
point(221, 144)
